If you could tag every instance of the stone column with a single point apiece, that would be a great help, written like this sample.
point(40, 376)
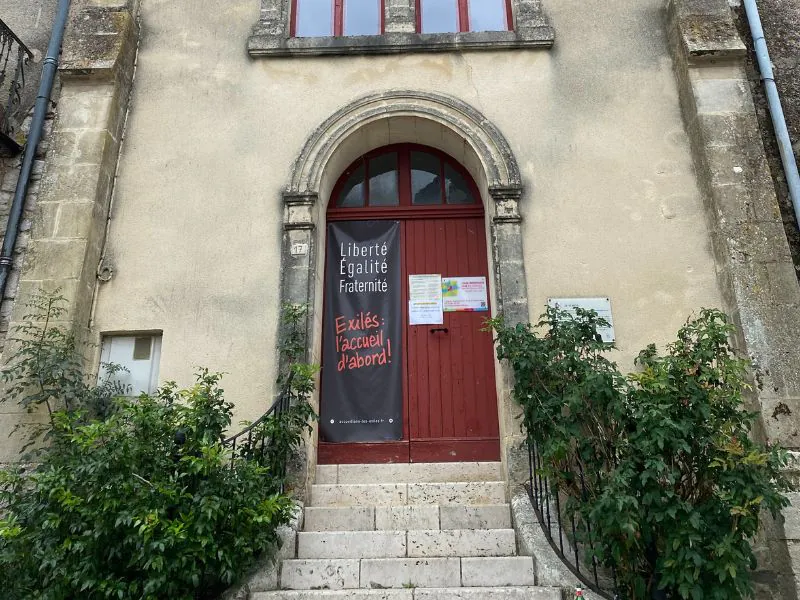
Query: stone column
point(754, 266)
point(509, 262)
point(299, 255)
point(298, 272)
point(400, 16)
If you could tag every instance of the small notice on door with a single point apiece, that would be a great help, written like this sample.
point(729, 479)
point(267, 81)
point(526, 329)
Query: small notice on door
point(425, 300)
point(464, 294)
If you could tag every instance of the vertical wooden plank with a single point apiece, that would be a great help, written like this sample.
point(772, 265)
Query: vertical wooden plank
point(451, 385)
point(435, 340)
point(477, 410)
point(404, 313)
point(422, 346)
point(486, 345)
point(469, 399)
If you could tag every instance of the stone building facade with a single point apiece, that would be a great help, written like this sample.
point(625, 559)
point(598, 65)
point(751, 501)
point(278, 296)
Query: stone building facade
point(615, 150)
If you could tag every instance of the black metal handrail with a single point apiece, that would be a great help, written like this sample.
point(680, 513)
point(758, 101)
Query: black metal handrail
point(546, 500)
point(14, 59)
point(252, 442)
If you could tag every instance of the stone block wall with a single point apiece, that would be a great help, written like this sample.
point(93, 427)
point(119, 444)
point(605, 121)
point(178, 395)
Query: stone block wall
point(9, 175)
point(67, 227)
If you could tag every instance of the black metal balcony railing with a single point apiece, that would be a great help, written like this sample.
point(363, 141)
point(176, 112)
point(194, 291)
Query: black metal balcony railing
point(564, 534)
point(14, 59)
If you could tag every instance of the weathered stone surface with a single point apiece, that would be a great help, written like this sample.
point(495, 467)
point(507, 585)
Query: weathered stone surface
point(379, 494)
point(410, 572)
point(335, 595)
point(529, 593)
point(462, 542)
point(329, 574)
point(421, 472)
point(327, 474)
point(351, 544)
point(550, 570)
point(747, 236)
point(706, 30)
point(781, 24)
point(457, 493)
point(499, 572)
point(348, 518)
point(497, 516)
point(407, 517)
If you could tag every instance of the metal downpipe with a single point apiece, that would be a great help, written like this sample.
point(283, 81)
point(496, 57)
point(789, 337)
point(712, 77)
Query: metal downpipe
point(49, 68)
point(775, 108)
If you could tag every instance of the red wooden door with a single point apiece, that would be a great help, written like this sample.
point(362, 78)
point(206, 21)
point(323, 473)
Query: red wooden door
point(452, 398)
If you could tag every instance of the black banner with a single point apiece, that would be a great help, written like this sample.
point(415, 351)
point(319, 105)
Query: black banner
point(362, 394)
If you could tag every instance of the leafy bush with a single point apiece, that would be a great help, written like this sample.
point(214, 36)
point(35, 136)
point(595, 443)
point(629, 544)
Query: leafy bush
point(147, 502)
point(658, 467)
point(47, 372)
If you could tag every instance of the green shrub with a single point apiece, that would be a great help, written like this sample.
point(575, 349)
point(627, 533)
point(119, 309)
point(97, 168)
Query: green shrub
point(146, 502)
point(658, 467)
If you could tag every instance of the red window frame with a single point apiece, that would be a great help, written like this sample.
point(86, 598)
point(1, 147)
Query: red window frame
point(337, 7)
point(463, 16)
point(405, 209)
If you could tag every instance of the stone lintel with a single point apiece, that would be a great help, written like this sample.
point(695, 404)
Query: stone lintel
point(261, 45)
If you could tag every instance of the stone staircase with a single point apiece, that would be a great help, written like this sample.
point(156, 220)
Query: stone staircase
point(408, 532)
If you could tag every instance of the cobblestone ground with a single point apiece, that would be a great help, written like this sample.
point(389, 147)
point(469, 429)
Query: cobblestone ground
point(781, 20)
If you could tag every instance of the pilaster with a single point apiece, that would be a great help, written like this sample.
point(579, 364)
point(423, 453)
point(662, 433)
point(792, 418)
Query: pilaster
point(754, 266)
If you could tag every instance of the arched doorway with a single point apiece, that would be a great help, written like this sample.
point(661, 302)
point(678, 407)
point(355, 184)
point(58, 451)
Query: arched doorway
point(401, 381)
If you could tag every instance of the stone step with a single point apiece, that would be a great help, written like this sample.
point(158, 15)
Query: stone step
point(411, 473)
point(389, 494)
point(497, 593)
point(412, 543)
point(409, 516)
point(462, 542)
point(335, 574)
point(351, 544)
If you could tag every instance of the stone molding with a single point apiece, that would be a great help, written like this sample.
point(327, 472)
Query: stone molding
point(271, 34)
point(506, 202)
point(303, 214)
point(299, 211)
point(485, 139)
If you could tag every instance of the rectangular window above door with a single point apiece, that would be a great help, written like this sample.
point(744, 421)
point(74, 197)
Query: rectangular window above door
point(325, 18)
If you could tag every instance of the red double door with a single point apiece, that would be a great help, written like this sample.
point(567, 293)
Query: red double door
point(449, 395)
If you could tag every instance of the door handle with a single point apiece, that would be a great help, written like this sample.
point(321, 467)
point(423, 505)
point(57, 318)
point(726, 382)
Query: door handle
point(442, 329)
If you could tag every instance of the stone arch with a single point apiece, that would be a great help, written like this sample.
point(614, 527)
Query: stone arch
point(335, 144)
point(485, 140)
